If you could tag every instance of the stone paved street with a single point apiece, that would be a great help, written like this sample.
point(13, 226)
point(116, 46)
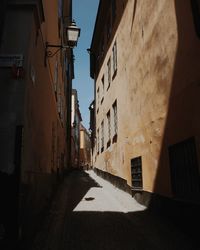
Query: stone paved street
point(88, 213)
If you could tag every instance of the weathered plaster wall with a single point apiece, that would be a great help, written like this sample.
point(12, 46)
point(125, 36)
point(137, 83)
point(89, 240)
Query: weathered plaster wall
point(148, 39)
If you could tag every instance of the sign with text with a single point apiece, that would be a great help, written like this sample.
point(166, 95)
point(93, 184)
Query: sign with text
point(10, 60)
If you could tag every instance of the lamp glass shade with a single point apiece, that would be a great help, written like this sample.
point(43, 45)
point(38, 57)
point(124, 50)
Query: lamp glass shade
point(73, 33)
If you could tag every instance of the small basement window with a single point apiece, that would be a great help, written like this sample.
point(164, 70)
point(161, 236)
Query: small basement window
point(136, 173)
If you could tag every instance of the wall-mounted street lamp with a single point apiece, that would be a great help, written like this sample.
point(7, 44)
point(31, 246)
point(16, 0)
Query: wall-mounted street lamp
point(72, 33)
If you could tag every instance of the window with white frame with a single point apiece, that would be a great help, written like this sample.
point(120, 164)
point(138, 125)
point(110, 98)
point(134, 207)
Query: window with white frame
point(97, 142)
point(98, 99)
point(109, 128)
point(102, 89)
point(102, 136)
point(109, 72)
point(115, 124)
point(114, 57)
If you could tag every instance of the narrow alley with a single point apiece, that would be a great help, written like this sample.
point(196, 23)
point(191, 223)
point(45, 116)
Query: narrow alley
point(99, 125)
point(88, 213)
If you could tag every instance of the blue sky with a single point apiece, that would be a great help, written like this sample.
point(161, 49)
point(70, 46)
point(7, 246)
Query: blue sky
point(84, 13)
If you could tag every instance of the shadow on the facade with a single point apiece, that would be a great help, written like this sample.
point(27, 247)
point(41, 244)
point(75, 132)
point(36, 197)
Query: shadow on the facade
point(178, 157)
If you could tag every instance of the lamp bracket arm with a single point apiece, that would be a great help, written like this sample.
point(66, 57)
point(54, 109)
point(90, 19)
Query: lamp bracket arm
point(50, 53)
point(54, 46)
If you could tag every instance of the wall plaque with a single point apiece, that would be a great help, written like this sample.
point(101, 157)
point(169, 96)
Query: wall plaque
point(10, 60)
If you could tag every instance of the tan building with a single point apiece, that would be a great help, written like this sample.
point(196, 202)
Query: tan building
point(85, 148)
point(36, 74)
point(75, 130)
point(145, 64)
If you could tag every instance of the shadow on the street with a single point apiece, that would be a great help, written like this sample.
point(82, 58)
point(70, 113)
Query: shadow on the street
point(142, 230)
point(120, 231)
point(89, 199)
point(68, 194)
point(64, 228)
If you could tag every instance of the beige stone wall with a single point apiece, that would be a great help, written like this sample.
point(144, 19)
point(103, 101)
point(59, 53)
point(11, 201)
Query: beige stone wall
point(82, 139)
point(157, 52)
point(43, 98)
point(85, 148)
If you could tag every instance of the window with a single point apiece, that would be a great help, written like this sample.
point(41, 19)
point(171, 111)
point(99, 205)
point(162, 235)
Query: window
point(97, 141)
point(136, 173)
point(98, 97)
point(109, 73)
point(114, 57)
point(102, 136)
point(195, 4)
point(184, 170)
point(109, 128)
point(102, 95)
point(115, 125)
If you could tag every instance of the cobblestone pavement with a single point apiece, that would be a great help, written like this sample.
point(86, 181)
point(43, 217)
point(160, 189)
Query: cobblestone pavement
point(88, 213)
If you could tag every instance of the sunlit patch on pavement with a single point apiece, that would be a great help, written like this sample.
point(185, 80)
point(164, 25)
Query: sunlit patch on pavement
point(107, 199)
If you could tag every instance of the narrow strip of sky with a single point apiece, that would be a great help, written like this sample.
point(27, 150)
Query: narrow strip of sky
point(84, 13)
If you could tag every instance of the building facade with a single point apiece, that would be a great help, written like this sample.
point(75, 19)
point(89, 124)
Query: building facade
point(144, 61)
point(75, 130)
point(35, 111)
point(85, 148)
